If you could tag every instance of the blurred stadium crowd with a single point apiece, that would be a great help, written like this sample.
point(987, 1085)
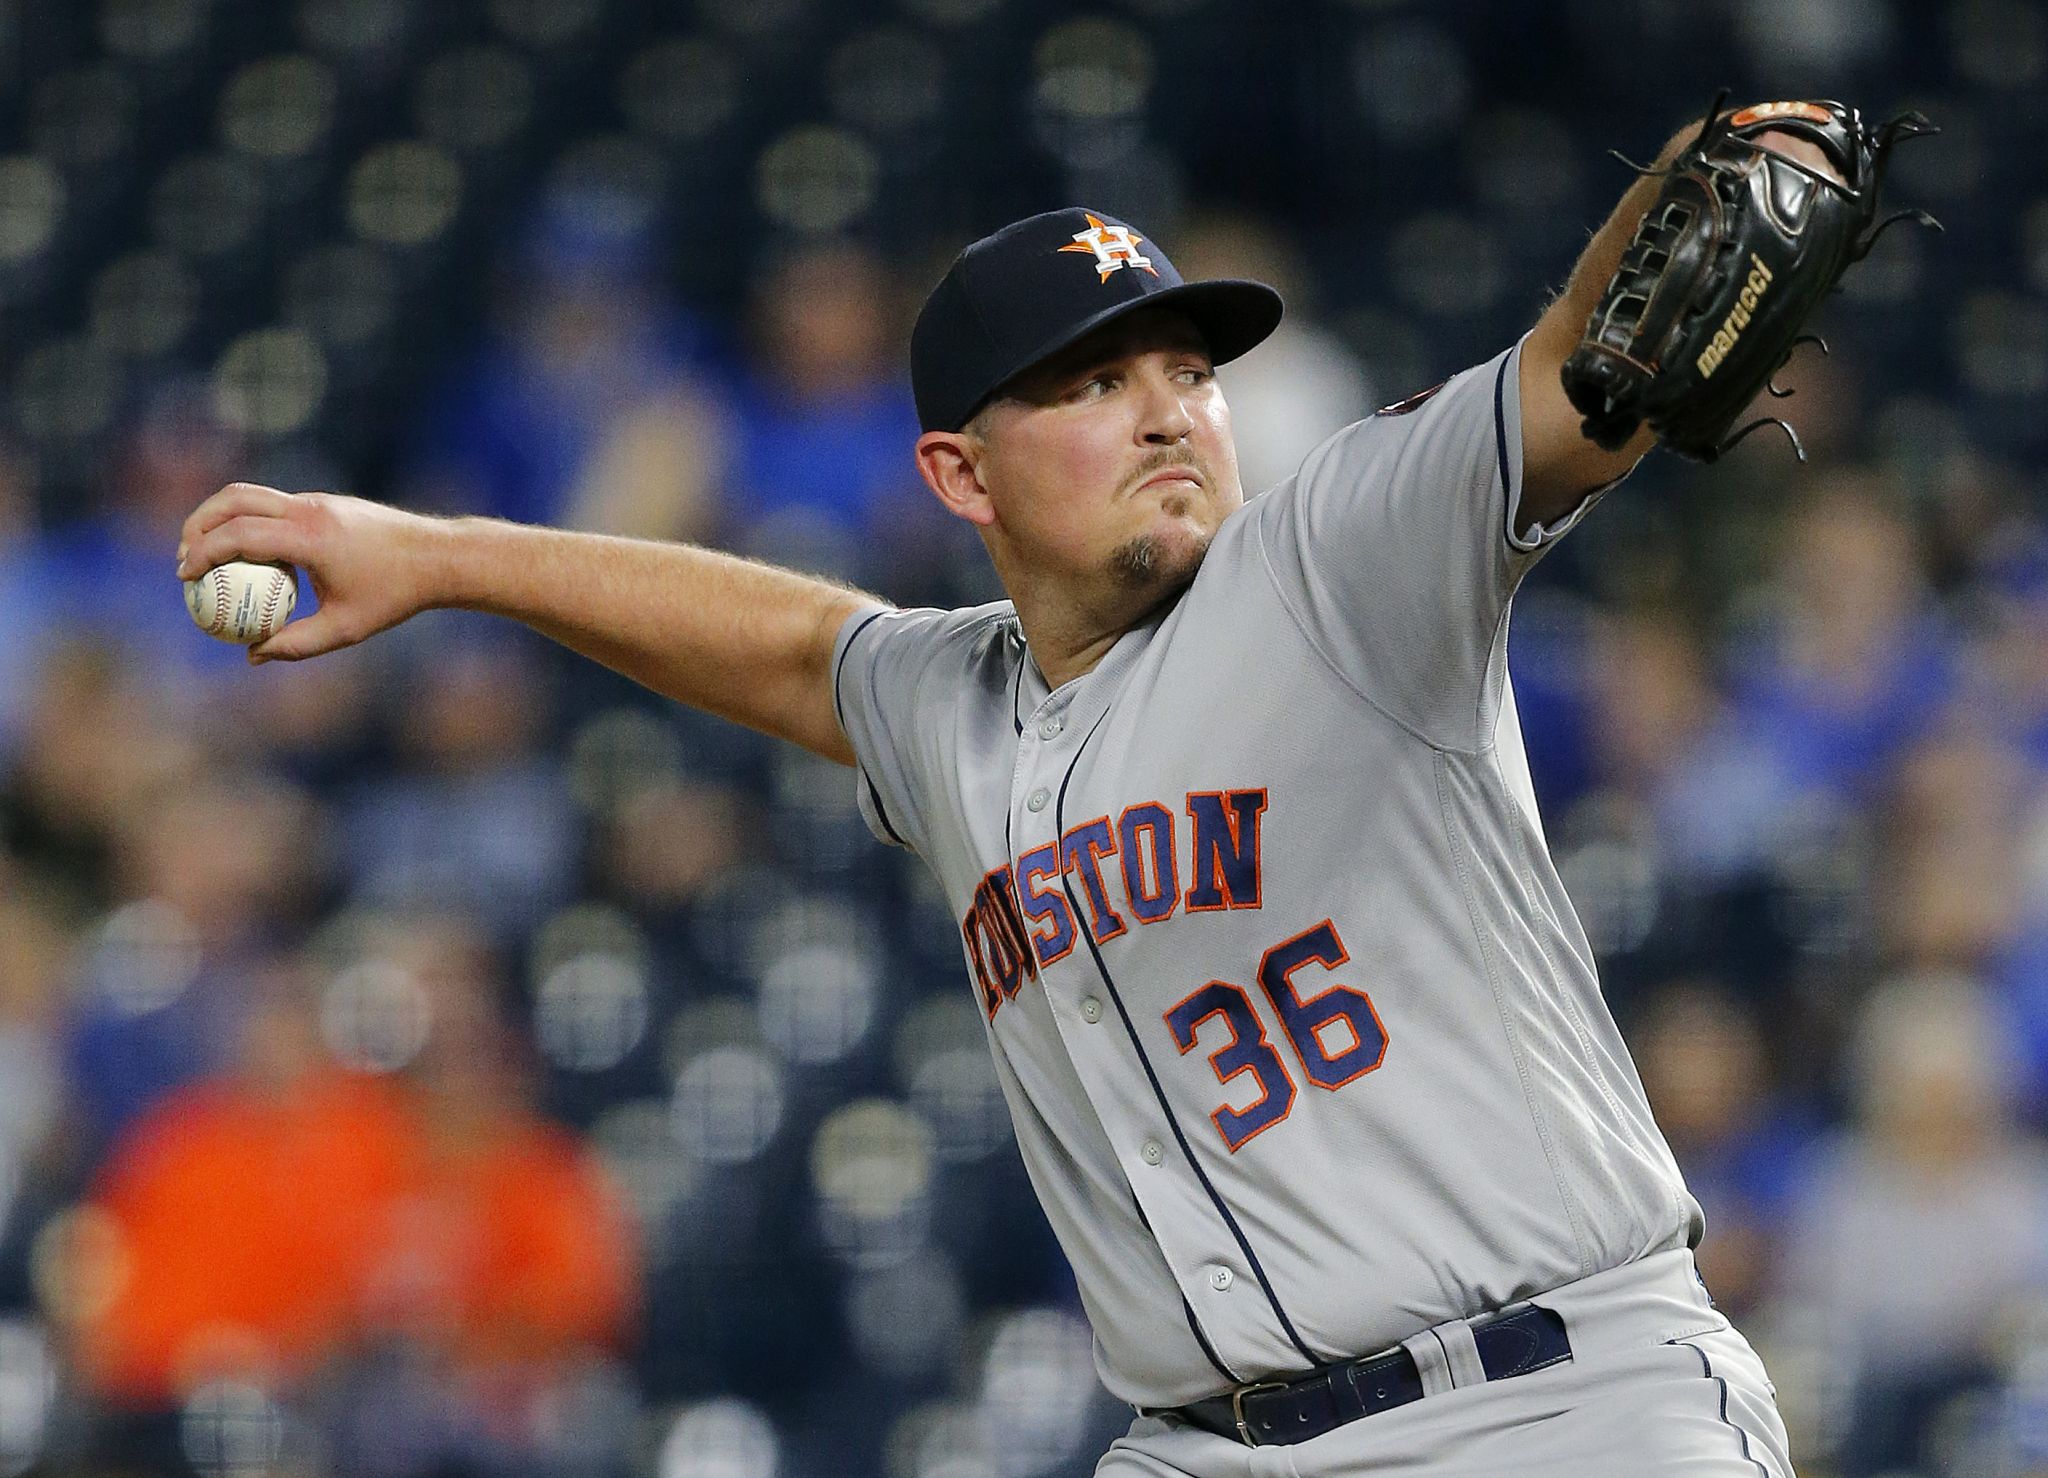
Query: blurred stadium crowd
point(446, 1059)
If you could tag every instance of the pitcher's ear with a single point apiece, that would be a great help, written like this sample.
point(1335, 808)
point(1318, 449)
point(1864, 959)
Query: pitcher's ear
point(950, 462)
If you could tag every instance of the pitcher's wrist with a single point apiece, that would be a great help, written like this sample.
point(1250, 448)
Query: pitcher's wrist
point(444, 558)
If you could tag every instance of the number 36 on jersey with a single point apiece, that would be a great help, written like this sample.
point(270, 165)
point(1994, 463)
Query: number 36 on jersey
point(1031, 915)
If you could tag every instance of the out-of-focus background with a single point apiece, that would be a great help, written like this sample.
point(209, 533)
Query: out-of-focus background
point(445, 1059)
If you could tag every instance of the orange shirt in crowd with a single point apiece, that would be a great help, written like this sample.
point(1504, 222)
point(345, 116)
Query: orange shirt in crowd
point(244, 1227)
point(513, 1245)
point(264, 1233)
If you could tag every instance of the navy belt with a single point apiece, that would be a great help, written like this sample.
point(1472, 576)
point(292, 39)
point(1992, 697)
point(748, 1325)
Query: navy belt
point(1278, 1412)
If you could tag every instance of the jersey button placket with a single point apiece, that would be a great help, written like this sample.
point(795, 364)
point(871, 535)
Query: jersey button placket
point(1152, 1152)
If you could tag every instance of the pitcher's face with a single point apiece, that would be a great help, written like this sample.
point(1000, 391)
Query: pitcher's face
point(1114, 456)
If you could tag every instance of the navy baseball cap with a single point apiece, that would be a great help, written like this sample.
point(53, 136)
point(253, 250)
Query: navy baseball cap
point(1020, 296)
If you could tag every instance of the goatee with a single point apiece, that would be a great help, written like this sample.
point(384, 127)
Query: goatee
point(1146, 564)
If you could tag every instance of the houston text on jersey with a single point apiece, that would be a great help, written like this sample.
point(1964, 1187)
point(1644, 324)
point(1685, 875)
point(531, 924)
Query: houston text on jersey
point(1140, 865)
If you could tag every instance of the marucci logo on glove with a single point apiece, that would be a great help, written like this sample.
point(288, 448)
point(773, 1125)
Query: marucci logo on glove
point(1737, 320)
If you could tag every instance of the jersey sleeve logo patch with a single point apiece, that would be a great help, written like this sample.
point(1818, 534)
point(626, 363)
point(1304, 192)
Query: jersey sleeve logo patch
point(1414, 402)
point(1114, 248)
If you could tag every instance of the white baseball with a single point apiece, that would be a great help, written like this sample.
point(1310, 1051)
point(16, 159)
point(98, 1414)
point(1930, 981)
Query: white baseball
point(241, 602)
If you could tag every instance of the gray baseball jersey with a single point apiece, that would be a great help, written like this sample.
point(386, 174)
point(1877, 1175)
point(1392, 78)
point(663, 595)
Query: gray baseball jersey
point(1300, 1034)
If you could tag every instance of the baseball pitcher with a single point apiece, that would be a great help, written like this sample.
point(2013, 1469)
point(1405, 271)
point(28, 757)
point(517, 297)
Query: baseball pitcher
point(1302, 1040)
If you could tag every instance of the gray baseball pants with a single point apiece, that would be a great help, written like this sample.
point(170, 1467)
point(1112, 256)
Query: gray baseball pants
point(1659, 1385)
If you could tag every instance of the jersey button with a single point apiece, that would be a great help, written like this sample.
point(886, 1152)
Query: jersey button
point(1049, 727)
point(1220, 1279)
point(1037, 799)
point(1153, 1151)
point(1091, 1010)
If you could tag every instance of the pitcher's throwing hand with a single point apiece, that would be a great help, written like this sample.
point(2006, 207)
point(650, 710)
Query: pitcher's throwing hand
point(368, 564)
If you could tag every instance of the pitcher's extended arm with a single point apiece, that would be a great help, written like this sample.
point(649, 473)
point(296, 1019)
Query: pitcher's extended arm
point(743, 640)
point(1559, 463)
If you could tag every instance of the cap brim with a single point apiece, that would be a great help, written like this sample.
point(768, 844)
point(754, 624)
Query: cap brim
point(1233, 316)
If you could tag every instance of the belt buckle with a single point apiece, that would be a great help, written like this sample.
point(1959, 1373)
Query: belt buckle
point(1244, 1429)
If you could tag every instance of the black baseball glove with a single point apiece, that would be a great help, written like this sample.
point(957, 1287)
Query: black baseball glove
point(1728, 263)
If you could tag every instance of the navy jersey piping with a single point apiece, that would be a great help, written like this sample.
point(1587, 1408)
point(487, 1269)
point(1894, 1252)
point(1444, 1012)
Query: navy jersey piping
point(1500, 429)
point(839, 709)
point(1194, 1325)
point(1017, 694)
point(1195, 1328)
point(1151, 1075)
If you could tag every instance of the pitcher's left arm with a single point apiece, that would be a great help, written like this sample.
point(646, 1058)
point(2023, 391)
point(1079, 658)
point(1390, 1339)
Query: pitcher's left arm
point(1787, 188)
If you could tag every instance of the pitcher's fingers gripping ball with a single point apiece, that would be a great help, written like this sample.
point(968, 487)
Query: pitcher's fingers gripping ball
point(242, 602)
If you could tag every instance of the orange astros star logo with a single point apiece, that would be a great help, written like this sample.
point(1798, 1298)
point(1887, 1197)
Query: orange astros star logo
point(1114, 248)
